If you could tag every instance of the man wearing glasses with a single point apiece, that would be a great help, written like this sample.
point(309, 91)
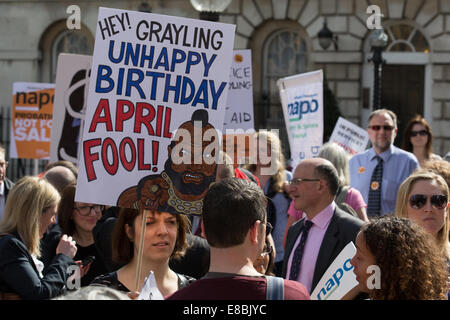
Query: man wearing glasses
point(313, 242)
point(5, 183)
point(235, 224)
point(379, 171)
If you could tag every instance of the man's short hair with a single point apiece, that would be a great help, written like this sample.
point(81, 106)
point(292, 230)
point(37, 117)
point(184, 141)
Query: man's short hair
point(230, 208)
point(328, 172)
point(391, 114)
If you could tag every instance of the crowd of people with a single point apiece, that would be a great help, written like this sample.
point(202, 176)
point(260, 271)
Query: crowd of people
point(259, 237)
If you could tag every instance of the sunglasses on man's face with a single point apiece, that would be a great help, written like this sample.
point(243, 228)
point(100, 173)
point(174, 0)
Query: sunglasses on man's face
point(419, 133)
point(378, 128)
point(438, 201)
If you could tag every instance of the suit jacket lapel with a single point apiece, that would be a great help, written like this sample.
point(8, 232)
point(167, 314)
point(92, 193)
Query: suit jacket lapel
point(327, 248)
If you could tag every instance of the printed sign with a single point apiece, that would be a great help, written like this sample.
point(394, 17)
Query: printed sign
point(72, 85)
point(302, 101)
point(349, 136)
point(157, 98)
point(339, 277)
point(31, 121)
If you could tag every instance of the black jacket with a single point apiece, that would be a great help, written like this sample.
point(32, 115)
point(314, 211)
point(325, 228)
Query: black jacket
point(8, 186)
point(342, 229)
point(18, 273)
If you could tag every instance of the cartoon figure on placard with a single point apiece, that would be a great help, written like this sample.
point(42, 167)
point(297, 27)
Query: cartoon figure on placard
point(183, 184)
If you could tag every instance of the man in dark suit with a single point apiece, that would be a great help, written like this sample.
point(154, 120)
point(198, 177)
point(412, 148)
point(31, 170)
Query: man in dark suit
point(5, 183)
point(315, 241)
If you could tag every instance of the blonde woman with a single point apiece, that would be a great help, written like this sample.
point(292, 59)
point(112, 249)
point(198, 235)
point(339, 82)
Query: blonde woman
point(31, 207)
point(270, 170)
point(423, 197)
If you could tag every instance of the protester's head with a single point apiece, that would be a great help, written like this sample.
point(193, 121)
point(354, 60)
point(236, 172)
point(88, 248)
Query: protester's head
point(3, 164)
point(94, 292)
point(314, 185)
point(29, 210)
point(230, 209)
point(60, 177)
point(63, 163)
point(418, 134)
point(225, 167)
point(77, 217)
point(165, 235)
point(423, 198)
point(339, 158)
point(270, 158)
point(382, 129)
point(440, 167)
point(407, 263)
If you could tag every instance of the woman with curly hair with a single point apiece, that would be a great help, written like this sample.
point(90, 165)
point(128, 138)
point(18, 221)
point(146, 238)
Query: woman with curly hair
point(423, 198)
point(410, 266)
point(418, 139)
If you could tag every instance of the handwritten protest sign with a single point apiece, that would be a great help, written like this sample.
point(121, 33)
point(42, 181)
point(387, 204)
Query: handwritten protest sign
point(349, 136)
point(339, 277)
point(302, 101)
point(239, 124)
point(31, 124)
point(157, 97)
point(239, 114)
point(72, 84)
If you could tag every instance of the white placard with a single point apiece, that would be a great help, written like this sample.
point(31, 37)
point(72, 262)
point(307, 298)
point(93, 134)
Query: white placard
point(149, 290)
point(151, 75)
point(339, 277)
point(239, 114)
point(72, 86)
point(349, 136)
point(302, 101)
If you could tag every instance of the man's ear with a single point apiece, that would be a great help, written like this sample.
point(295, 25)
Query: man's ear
point(254, 232)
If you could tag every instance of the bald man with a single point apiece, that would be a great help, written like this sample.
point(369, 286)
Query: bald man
point(60, 177)
point(327, 228)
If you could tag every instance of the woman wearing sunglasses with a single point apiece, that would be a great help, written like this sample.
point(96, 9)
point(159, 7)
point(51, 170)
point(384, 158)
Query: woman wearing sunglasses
point(423, 198)
point(418, 139)
point(78, 219)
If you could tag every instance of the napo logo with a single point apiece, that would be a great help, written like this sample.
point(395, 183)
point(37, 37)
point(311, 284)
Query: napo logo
point(302, 105)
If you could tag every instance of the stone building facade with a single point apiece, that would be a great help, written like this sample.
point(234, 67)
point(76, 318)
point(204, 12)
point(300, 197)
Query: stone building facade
point(283, 36)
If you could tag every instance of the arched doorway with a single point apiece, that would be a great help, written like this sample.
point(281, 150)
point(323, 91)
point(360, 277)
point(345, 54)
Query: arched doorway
point(279, 49)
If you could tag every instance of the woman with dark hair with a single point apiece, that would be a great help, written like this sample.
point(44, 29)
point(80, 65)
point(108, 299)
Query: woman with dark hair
point(406, 261)
point(418, 139)
point(78, 219)
point(165, 238)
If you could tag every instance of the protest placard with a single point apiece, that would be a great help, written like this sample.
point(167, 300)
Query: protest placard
point(239, 124)
point(157, 98)
point(349, 136)
point(31, 120)
point(302, 102)
point(72, 84)
point(339, 277)
point(239, 114)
